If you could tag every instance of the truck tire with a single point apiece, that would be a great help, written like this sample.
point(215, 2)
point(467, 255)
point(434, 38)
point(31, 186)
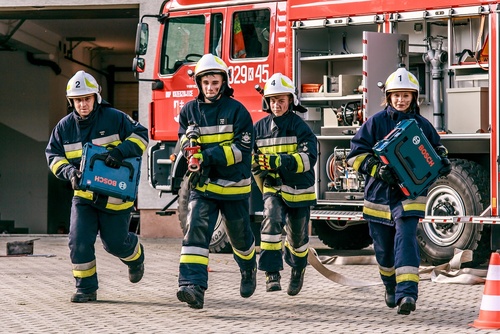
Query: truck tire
point(336, 236)
point(220, 241)
point(464, 192)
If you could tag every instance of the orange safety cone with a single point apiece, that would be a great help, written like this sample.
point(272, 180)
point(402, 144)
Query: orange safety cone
point(489, 313)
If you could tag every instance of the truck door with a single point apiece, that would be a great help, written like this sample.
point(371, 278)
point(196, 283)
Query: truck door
point(186, 37)
point(381, 55)
point(249, 51)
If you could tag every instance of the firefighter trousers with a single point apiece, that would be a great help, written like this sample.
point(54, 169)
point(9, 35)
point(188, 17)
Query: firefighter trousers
point(397, 254)
point(202, 217)
point(86, 222)
point(296, 223)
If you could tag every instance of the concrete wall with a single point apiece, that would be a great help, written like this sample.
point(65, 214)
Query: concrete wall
point(32, 101)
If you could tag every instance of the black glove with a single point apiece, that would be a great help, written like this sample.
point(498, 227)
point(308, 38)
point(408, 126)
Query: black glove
point(114, 158)
point(446, 168)
point(381, 171)
point(198, 178)
point(386, 174)
point(193, 179)
point(256, 167)
point(75, 179)
point(446, 164)
point(272, 180)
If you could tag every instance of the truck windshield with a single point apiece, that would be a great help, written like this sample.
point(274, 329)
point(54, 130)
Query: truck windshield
point(183, 42)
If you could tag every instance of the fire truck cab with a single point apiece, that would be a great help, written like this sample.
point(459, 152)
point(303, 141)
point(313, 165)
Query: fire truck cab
point(337, 53)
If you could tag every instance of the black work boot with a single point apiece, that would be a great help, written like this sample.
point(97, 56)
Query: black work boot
point(80, 297)
point(135, 273)
point(296, 281)
point(390, 296)
point(273, 281)
point(406, 305)
point(248, 282)
point(193, 295)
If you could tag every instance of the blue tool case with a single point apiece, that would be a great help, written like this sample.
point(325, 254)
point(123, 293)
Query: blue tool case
point(121, 182)
point(408, 152)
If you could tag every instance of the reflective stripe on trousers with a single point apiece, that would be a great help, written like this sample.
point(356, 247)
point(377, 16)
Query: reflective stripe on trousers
point(201, 220)
point(296, 222)
point(397, 254)
point(85, 223)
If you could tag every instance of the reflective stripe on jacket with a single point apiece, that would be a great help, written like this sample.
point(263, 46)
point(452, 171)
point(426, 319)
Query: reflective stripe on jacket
point(291, 137)
point(226, 144)
point(105, 126)
point(379, 196)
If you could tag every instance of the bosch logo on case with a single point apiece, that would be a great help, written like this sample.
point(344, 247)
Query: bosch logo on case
point(416, 140)
point(122, 185)
point(104, 180)
point(426, 155)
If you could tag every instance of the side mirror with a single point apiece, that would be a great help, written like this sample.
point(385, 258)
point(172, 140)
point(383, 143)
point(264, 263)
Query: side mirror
point(139, 65)
point(141, 39)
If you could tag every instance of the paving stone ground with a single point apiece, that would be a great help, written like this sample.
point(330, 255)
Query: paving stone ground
point(35, 292)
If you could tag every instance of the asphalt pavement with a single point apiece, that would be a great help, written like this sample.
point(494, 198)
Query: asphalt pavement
point(35, 296)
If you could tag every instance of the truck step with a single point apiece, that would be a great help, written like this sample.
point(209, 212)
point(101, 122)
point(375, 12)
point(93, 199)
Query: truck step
point(336, 215)
point(446, 219)
point(465, 219)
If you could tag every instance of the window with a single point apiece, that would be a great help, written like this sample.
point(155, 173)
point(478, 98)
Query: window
point(216, 34)
point(250, 38)
point(183, 42)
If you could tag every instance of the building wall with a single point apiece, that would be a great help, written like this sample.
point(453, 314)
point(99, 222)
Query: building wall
point(32, 101)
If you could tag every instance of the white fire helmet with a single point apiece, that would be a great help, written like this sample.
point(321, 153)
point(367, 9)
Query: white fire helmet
point(279, 84)
point(401, 80)
point(211, 64)
point(82, 84)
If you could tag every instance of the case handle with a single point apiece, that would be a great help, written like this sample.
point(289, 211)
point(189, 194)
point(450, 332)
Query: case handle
point(103, 157)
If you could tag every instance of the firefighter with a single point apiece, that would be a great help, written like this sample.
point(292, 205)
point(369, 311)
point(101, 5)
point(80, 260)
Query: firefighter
point(223, 129)
point(392, 217)
point(93, 120)
point(285, 153)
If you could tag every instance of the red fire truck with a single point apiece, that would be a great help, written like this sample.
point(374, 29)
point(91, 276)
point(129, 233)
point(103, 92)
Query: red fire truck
point(337, 52)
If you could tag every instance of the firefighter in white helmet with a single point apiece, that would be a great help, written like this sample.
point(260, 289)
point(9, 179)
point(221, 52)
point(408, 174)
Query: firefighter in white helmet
point(392, 217)
point(223, 129)
point(93, 120)
point(285, 153)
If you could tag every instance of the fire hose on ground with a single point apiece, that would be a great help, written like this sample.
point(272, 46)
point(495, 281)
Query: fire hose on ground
point(445, 273)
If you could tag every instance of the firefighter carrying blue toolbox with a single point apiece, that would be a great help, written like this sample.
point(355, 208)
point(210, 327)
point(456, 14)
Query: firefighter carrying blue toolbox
point(216, 134)
point(93, 120)
point(392, 217)
point(285, 153)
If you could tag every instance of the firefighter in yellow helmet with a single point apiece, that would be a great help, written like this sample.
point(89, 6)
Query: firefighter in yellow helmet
point(93, 120)
point(223, 129)
point(285, 154)
point(391, 216)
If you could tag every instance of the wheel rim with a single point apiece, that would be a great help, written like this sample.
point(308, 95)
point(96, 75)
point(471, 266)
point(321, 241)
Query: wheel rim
point(336, 225)
point(444, 201)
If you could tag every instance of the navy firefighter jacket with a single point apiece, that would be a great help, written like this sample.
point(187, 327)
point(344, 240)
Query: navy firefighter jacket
point(226, 144)
point(380, 197)
point(105, 126)
point(291, 137)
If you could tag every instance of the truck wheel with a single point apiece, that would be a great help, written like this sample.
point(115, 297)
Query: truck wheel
point(464, 192)
point(220, 241)
point(338, 236)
